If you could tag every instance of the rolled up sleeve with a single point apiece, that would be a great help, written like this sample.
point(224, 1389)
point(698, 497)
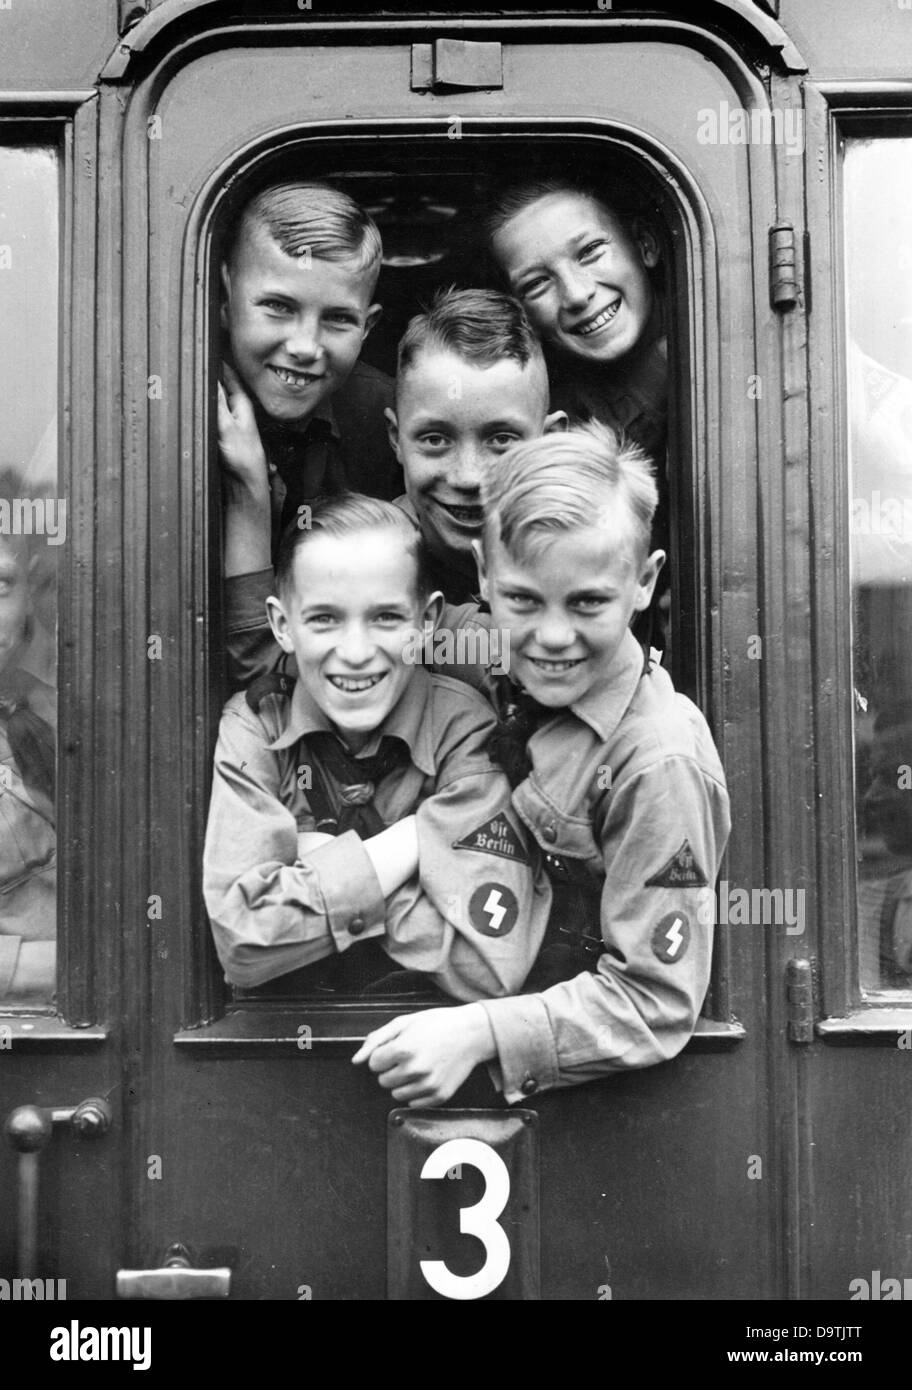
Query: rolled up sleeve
point(252, 649)
point(641, 1003)
point(270, 911)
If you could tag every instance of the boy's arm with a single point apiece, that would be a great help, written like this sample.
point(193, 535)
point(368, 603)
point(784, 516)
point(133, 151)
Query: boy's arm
point(475, 916)
point(270, 910)
point(641, 1004)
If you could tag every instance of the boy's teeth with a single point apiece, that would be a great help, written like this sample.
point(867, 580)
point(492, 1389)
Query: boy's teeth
point(351, 685)
point(604, 317)
point(292, 378)
point(554, 665)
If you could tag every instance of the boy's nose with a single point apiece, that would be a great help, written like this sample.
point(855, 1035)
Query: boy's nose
point(466, 468)
point(303, 342)
point(577, 287)
point(355, 647)
point(554, 633)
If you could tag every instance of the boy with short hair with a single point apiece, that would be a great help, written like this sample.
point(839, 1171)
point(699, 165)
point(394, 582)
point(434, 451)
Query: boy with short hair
point(471, 383)
point(615, 774)
point(299, 415)
point(365, 806)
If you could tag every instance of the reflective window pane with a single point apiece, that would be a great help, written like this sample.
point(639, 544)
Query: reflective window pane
point(32, 531)
point(878, 228)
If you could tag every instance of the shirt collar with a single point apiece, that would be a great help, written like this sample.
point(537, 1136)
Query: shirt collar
point(406, 721)
point(603, 707)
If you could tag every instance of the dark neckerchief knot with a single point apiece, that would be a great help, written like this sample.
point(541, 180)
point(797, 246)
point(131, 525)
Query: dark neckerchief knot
point(343, 787)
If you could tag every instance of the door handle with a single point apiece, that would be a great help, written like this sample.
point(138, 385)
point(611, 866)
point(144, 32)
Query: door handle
point(29, 1130)
point(175, 1278)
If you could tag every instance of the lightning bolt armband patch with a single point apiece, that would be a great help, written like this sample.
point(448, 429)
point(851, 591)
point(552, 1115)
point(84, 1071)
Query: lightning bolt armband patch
point(493, 909)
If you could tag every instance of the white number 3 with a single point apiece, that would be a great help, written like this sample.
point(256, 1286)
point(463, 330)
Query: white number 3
point(479, 1220)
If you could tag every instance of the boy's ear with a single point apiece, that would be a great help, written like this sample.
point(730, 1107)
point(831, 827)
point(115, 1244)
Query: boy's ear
point(392, 429)
point(278, 621)
point(649, 573)
point(372, 317)
point(556, 422)
point(433, 609)
point(647, 241)
point(478, 552)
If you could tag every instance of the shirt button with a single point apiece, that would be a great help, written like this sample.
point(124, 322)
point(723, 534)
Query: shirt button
point(550, 832)
point(529, 1086)
point(356, 926)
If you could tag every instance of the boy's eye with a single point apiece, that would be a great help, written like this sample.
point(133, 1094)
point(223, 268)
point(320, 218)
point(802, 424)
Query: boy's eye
point(524, 602)
point(592, 250)
point(530, 288)
point(388, 618)
point(275, 306)
point(433, 440)
point(321, 620)
point(590, 604)
point(342, 318)
point(503, 440)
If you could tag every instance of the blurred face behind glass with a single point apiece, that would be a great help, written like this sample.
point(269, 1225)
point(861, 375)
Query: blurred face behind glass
point(15, 603)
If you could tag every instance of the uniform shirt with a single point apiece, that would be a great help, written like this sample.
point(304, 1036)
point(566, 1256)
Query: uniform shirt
point(28, 853)
point(342, 445)
point(631, 397)
point(474, 916)
point(628, 785)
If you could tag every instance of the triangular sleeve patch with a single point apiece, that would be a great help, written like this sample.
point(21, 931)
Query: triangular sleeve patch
point(681, 871)
point(495, 836)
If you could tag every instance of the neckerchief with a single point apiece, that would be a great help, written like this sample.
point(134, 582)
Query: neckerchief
point(343, 787)
point(31, 738)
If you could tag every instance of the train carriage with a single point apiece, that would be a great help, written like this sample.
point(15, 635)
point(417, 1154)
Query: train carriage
point(171, 1137)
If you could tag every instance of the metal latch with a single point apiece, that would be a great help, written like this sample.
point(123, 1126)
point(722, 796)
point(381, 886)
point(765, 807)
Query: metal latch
point(456, 65)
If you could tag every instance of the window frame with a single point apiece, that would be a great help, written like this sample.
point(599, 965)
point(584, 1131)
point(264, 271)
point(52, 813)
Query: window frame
point(836, 111)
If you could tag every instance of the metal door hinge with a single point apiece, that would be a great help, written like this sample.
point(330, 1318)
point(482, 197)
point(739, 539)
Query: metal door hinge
point(799, 979)
point(783, 266)
point(456, 65)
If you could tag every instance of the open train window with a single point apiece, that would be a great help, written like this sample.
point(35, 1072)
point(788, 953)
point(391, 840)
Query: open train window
point(32, 528)
point(426, 202)
point(877, 184)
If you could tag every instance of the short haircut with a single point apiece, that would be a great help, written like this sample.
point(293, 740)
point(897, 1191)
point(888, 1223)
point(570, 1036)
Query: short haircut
point(543, 488)
point(480, 326)
point(345, 514)
point(310, 216)
point(519, 196)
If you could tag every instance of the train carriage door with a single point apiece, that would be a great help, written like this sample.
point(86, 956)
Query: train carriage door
point(252, 1142)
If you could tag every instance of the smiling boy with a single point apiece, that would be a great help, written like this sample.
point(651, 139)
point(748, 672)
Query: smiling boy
point(615, 775)
point(583, 273)
point(471, 382)
point(299, 415)
point(364, 806)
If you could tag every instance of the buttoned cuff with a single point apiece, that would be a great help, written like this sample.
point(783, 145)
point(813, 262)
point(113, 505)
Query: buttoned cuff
point(9, 955)
point(352, 899)
point(526, 1050)
point(245, 599)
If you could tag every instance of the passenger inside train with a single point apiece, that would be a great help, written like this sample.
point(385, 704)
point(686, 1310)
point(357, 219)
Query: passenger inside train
point(613, 769)
point(346, 813)
point(28, 722)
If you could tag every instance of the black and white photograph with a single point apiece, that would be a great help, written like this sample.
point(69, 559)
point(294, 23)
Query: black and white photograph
point(456, 668)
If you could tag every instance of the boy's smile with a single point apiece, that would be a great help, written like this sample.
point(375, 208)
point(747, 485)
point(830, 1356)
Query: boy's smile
point(454, 420)
point(582, 278)
point(568, 607)
point(296, 324)
point(351, 617)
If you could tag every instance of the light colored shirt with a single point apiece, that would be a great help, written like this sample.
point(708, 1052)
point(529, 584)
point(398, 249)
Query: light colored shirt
point(627, 783)
point(474, 916)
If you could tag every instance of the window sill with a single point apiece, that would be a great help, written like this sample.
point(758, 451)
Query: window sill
point(335, 1029)
point(871, 1027)
point(36, 1032)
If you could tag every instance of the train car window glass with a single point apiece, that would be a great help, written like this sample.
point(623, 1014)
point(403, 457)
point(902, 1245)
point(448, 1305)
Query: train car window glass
point(878, 238)
point(32, 528)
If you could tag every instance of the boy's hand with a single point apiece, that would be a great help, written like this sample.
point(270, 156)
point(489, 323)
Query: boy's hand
point(309, 840)
point(424, 1058)
point(240, 446)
